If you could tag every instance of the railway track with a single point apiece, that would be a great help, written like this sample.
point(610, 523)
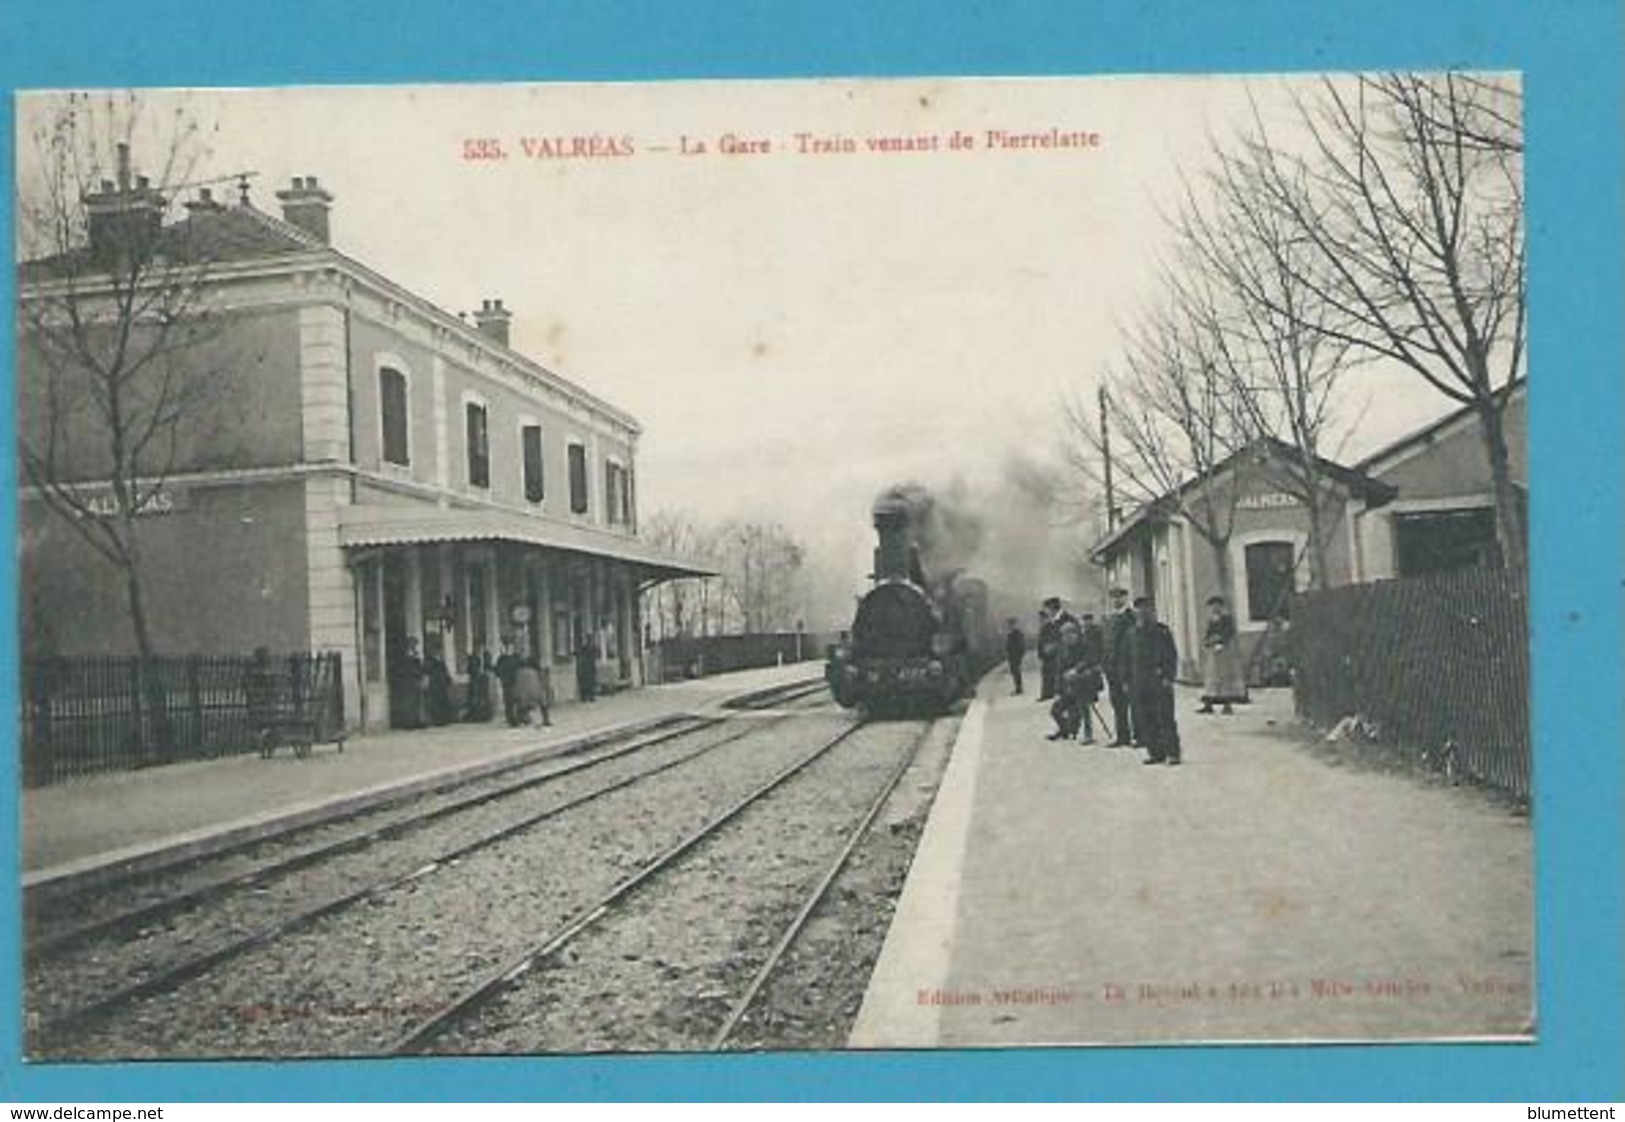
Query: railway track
point(57, 1031)
point(44, 946)
point(809, 906)
point(58, 923)
point(460, 1016)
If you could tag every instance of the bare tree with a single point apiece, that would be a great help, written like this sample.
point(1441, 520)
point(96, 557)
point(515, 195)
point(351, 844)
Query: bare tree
point(760, 564)
point(1172, 421)
point(677, 607)
point(1405, 211)
point(1273, 339)
point(114, 322)
point(762, 573)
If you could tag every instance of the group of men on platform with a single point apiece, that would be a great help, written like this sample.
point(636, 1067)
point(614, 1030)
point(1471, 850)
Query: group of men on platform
point(420, 690)
point(1132, 658)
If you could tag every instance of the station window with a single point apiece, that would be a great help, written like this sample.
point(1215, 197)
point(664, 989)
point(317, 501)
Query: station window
point(1443, 540)
point(1270, 580)
point(564, 636)
point(530, 439)
point(615, 492)
point(392, 404)
point(479, 447)
point(578, 478)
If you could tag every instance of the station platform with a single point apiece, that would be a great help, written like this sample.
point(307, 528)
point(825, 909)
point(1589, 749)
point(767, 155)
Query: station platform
point(124, 820)
point(1261, 891)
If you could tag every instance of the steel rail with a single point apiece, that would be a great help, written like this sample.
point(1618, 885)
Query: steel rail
point(737, 1013)
point(43, 1036)
point(38, 951)
point(46, 947)
point(493, 982)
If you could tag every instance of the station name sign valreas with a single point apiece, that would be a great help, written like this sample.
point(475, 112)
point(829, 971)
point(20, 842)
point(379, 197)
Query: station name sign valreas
point(99, 501)
point(1267, 500)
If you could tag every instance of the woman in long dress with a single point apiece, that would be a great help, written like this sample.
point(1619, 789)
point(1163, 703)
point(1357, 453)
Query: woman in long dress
point(533, 693)
point(1222, 682)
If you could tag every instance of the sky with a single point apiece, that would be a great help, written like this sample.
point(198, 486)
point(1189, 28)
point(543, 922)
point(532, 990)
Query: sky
point(794, 329)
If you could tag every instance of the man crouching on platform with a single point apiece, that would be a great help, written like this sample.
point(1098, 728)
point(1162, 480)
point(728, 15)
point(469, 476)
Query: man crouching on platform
point(1077, 673)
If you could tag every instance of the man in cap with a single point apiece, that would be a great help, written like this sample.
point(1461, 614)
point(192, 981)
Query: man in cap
point(1049, 645)
point(1086, 679)
point(1119, 626)
point(1153, 666)
point(1015, 650)
point(1068, 662)
point(1077, 677)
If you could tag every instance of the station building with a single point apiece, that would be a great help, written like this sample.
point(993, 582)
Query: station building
point(1421, 505)
point(1443, 513)
point(360, 468)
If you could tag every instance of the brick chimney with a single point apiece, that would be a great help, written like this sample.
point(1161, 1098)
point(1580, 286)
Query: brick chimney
point(125, 216)
point(305, 204)
point(492, 319)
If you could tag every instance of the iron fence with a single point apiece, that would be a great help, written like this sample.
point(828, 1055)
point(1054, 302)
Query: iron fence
point(695, 656)
point(88, 714)
point(1437, 666)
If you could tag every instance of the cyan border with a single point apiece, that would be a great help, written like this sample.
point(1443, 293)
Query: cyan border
point(1570, 55)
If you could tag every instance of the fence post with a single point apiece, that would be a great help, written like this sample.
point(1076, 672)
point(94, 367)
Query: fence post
point(38, 756)
point(335, 681)
point(194, 697)
point(138, 736)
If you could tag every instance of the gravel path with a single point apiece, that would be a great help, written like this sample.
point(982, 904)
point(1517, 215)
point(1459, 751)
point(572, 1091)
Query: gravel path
point(352, 982)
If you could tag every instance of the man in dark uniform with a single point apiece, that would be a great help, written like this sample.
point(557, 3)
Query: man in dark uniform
point(1056, 618)
point(1049, 643)
point(506, 670)
point(406, 686)
point(587, 668)
point(1015, 650)
point(1153, 665)
point(1093, 675)
point(1119, 625)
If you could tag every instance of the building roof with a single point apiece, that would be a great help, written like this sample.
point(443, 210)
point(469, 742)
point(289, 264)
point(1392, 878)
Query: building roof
point(206, 235)
point(242, 234)
point(1357, 481)
point(1431, 431)
point(368, 525)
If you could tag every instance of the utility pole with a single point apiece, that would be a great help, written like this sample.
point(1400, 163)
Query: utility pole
point(1106, 454)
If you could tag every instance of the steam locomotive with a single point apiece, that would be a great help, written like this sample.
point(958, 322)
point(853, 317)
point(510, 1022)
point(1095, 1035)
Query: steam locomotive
point(919, 641)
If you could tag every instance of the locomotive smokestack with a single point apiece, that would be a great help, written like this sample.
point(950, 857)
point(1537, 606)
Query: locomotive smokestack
point(892, 550)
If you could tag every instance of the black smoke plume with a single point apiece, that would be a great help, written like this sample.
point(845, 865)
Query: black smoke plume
point(1009, 532)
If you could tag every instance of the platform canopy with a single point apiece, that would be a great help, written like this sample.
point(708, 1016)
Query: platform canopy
point(367, 526)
